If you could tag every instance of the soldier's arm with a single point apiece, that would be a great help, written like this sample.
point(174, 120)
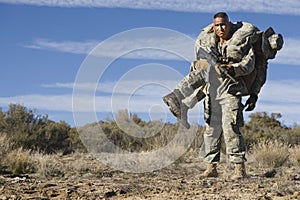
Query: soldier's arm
point(246, 65)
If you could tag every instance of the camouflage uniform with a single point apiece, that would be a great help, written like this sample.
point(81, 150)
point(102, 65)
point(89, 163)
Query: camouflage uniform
point(223, 107)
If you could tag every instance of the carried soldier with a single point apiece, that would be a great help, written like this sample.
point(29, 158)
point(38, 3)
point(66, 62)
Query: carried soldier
point(231, 62)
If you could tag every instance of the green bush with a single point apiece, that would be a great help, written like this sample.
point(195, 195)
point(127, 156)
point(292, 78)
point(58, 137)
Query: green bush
point(264, 127)
point(26, 129)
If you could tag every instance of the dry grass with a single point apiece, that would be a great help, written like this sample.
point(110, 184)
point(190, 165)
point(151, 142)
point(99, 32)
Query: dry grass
point(19, 161)
point(271, 154)
point(54, 165)
point(295, 155)
point(48, 166)
point(3, 145)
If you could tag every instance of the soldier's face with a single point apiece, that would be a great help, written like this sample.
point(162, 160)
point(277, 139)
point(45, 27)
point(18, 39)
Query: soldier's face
point(222, 27)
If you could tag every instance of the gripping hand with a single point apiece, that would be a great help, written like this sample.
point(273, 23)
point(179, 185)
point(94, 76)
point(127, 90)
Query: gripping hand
point(251, 102)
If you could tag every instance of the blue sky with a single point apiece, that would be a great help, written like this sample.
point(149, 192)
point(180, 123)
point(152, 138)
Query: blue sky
point(44, 45)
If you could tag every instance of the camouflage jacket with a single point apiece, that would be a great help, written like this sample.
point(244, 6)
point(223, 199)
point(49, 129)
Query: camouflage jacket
point(240, 48)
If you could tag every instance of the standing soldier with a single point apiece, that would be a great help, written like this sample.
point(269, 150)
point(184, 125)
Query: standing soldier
point(239, 52)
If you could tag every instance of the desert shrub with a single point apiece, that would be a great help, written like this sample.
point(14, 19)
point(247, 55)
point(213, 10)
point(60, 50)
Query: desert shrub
point(75, 142)
point(19, 161)
point(53, 137)
point(49, 166)
point(263, 127)
point(295, 155)
point(4, 146)
point(271, 153)
point(29, 130)
point(151, 135)
point(292, 135)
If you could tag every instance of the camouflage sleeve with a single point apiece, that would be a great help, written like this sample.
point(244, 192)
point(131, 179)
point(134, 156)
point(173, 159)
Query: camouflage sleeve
point(205, 39)
point(246, 65)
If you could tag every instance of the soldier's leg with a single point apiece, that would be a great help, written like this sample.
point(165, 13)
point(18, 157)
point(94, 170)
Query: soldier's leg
point(232, 120)
point(185, 88)
point(191, 82)
point(211, 147)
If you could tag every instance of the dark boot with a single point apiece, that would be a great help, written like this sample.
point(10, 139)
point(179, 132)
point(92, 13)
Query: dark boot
point(177, 108)
point(172, 102)
point(183, 118)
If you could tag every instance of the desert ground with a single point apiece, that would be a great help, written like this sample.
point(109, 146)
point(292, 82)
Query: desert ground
point(180, 180)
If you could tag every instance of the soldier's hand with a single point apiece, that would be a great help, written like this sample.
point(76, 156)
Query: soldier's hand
point(228, 68)
point(251, 102)
point(200, 64)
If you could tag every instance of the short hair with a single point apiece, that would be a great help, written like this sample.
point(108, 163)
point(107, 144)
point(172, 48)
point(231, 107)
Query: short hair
point(221, 15)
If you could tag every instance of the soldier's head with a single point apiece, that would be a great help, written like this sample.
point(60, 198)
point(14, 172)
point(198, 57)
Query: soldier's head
point(222, 25)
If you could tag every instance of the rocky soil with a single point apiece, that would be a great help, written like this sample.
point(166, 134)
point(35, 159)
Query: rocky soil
point(178, 181)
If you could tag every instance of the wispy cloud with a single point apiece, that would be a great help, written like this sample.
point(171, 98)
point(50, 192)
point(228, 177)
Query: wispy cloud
point(115, 47)
point(281, 97)
point(290, 7)
point(65, 46)
point(289, 54)
point(142, 101)
point(120, 87)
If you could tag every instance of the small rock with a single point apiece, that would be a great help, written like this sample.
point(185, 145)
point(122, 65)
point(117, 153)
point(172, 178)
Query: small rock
point(2, 197)
point(49, 185)
point(296, 194)
point(110, 194)
point(260, 186)
point(270, 174)
point(183, 181)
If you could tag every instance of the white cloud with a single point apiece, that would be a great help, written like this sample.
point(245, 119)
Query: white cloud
point(124, 93)
point(289, 54)
point(46, 102)
point(276, 97)
point(290, 7)
point(281, 97)
point(115, 47)
point(281, 91)
point(65, 46)
point(120, 87)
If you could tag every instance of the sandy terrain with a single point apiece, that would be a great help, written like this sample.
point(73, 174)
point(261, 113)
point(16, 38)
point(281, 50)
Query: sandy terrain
point(178, 181)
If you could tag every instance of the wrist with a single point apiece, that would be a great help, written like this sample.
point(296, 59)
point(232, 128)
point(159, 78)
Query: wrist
point(254, 96)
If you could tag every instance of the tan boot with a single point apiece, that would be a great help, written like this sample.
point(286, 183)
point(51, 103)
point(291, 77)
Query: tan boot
point(211, 171)
point(239, 171)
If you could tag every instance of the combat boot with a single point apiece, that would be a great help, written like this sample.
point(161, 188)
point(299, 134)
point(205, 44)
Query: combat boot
point(183, 116)
point(211, 171)
point(239, 171)
point(177, 108)
point(172, 101)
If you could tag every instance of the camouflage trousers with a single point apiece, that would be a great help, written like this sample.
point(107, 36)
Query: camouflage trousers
point(225, 120)
point(223, 117)
point(192, 87)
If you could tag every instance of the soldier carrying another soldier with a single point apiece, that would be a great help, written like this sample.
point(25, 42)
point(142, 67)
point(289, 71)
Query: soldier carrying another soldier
point(231, 62)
